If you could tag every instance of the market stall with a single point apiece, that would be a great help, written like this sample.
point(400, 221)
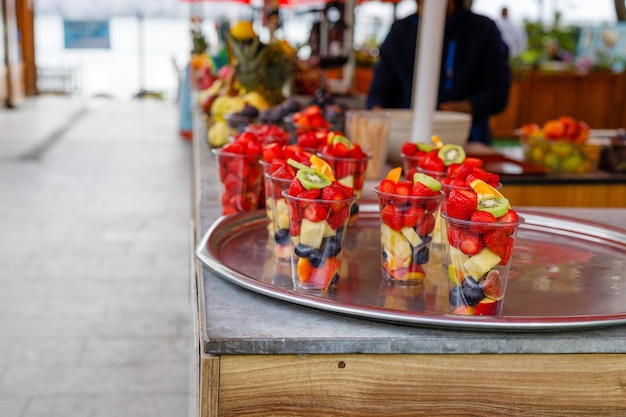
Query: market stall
point(262, 355)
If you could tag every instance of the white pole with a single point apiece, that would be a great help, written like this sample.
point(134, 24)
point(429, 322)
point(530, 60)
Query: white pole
point(427, 64)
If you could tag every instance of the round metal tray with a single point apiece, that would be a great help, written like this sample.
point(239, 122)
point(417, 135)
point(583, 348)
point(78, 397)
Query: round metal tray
point(566, 274)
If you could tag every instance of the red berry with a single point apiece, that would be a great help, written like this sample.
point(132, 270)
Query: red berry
point(296, 187)
point(315, 213)
point(413, 216)
point(419, 189)
point(427, 225)
point(461, 204)
point(402, 188)
point(470, 244)
point(409, 148)
point(392, 217)
point(386, 186)
point(312, 194)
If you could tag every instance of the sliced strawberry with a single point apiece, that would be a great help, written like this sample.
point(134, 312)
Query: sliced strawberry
point(508, 251)
point(461, 204)
point(409, 148)
point(510, 217)
point(386, 186)
point(356, 152)
point(337, 218)
point(272, 151)
point(311, 194)
point(234, 147)
point(427, 225)
point(315, 212)
point(496, 240)
point(455, 234)
point(432, 162)
point(481, 217)
point(392, 217)
point(470, 244)
point(254, 148)
point(402, 188)
point(477, 162)
point(413, 216)
point(296, 187)
point(419, 189)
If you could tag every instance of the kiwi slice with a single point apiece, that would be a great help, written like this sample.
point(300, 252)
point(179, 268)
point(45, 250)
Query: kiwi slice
point(498, 206)
point(342, 139)
point(312, 179)
point(427, 180)
point(451, 154)
point(296, 164)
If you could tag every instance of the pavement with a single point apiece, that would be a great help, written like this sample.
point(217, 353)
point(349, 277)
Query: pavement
point(95, 209)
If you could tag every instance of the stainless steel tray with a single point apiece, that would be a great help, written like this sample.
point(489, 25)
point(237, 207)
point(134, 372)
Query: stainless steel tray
point(566, 274)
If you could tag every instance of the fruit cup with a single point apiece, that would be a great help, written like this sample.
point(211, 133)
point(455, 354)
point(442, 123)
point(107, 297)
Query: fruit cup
point(278, 214)
point(349, 172)
point(241, 178)
point(477, 256)
point(406, 227)
point(317, 228)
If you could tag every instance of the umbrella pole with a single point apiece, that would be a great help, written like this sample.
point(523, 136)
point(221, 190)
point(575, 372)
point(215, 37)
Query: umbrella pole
point(427, 64)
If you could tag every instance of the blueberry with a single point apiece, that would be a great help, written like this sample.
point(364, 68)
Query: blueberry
point(426, 239)
point(316, 259)
point(303, 251)
point(334, 280)
point(456, 297)
point(471, 291)
point(282, 236)
point(421, 254)
point(331, 246)
point(354, 209)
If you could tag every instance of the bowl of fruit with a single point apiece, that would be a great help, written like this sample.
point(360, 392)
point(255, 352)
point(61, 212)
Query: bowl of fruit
point(561, 145)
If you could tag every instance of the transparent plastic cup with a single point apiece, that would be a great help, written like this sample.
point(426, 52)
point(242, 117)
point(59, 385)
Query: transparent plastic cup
point(477, 280)
point(407, 224)
point(278, 215)
point(317, 229)
point(241, 180)
point(410, 165)
point(370, 129)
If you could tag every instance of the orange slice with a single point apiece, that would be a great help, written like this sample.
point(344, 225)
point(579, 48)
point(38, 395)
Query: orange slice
point(437, 141)
point(485, 190)
point(394, 174)
point(321, 166)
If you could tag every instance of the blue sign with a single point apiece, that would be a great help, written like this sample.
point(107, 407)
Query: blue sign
point(86, 34)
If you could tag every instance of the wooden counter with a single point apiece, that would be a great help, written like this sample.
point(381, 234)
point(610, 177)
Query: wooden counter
point(264, 357)
point(598, 98)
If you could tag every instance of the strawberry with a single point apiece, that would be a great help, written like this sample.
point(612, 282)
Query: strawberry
point(254, 148)
point(402, 188)
point(281, 169)
point(357, 152)
point(234, 147)
point(455, 234)
point(420, 189)
point(310, 194)
point(470, 244)
point(409, 148)
point(386, 186)
point(427, 225)
point(272, 151)
point(296, 188)
point(507, 252)
point(337, 218)
point(392, 217)
point(495, 240)
point(477, 162)
point(413, 216)
point(481, 217)
point(510, 217)
point(461, 204)
point(432, 162)
point(315, 212)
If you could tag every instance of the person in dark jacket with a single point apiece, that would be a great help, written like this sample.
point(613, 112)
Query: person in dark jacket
point(475, 76)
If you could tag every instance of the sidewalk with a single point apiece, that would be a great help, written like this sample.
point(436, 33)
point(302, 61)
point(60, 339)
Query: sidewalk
point(95, 314)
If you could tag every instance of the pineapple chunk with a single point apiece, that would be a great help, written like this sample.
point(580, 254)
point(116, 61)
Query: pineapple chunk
point(312, 233)
point(396, 246)
point(481, 263)
point(283, 214)
point(411, 235)
point(348, 181)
